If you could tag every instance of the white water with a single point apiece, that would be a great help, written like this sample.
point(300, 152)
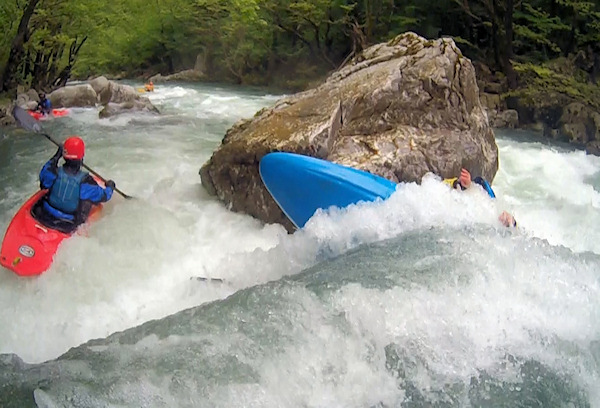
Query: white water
point(137, 262)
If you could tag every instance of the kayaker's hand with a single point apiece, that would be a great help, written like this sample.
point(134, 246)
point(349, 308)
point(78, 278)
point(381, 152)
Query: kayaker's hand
point(111, 184)
point(507, 219)
point(58, 154)
point(465, 178)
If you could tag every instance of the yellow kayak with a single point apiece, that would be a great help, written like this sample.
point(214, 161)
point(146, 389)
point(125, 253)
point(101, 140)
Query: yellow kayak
point(146, 88)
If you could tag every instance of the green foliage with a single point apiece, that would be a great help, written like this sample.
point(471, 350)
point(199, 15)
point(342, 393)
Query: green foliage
point(534, 29)
point(542, 83)
point(258, 40)
point(584, 19)
point(9, 19)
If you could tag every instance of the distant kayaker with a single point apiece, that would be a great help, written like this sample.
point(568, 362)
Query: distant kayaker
point(71, 190)
point(44, 106)
point(464, 181)
point(149, 87)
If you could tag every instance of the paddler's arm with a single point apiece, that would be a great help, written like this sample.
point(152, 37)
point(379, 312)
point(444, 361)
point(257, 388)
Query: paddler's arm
point(91, 191)
point(49, 172)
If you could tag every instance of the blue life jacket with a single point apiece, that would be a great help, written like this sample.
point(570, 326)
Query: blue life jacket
point(45, 106)
point(64, 193)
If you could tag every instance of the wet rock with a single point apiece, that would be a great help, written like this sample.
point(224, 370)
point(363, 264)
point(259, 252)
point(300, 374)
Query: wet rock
point(82, 96)
point(508, 119)
point(399, 109)
point(139, 105)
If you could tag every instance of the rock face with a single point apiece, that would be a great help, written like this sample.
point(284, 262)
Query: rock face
point(399, 109)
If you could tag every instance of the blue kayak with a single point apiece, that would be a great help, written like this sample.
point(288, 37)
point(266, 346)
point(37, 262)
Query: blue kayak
point(300, 185)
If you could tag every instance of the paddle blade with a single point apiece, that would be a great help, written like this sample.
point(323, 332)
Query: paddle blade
point(25, 120)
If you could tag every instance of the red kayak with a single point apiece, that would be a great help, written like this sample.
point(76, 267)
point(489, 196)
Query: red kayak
point(29, 246)
point(55, 112)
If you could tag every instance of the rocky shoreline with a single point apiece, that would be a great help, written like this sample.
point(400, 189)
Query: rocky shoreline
point(553, 104)
point(114, 97)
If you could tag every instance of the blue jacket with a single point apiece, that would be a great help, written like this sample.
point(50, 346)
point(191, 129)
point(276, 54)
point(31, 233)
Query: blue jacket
point(45, 106)
point(89, 190)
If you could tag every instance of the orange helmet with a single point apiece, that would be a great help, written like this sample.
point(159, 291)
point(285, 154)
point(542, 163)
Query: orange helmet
point(74, 148)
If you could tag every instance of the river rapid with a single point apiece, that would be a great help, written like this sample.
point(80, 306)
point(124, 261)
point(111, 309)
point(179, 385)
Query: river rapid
point(421, 300)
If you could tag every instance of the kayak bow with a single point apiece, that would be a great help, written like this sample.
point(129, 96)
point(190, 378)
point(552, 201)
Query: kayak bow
point(29, 246)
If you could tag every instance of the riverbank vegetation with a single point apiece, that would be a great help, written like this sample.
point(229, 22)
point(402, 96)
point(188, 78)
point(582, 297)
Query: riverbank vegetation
point(285, 43)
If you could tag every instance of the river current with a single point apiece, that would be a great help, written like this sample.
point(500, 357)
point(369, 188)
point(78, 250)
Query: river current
point(421, 300)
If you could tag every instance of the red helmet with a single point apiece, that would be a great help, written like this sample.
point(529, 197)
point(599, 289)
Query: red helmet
point(74, 148)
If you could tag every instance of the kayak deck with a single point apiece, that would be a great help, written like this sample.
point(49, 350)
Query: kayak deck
point(29, 246)
point(55, 112)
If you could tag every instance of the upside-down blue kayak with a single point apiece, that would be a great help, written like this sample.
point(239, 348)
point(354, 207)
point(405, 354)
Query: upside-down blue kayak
point(301, 185)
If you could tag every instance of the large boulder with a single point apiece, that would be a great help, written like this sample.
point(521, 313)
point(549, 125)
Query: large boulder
point(120, 93)
point(399, 109)
point(112, 91)
point(113, 109)
point(117, 98)
point(82, 96)
point(102, 88)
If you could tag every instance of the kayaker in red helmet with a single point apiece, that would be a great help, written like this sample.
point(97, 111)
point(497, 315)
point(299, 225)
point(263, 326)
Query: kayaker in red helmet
point(71, 190)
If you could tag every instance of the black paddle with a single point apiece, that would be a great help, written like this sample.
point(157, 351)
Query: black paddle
point(28, 122)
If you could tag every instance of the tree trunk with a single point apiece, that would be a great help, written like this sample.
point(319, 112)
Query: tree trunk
point(507, 53)
point(368, 21)
point(65, 74)
point(8, 82)
point(55, 60)
point(496, 42)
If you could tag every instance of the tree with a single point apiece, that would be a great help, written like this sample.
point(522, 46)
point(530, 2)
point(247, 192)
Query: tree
point(9, 80)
